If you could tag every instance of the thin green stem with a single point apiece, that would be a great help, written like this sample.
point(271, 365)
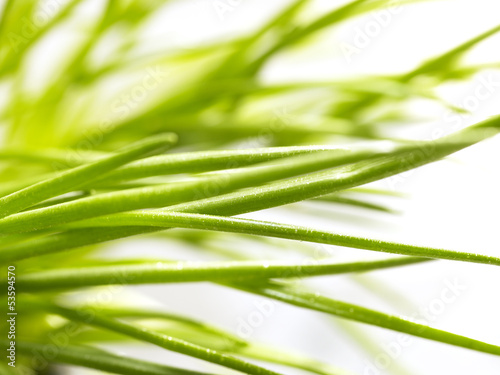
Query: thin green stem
point(277, 230)
point(162, 272)
point(99, 359)
point(314, 301)
point(89, 317)
point(77, 177)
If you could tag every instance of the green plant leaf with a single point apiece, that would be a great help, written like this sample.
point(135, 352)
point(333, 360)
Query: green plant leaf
point(314, 301)
point(167, 342)
point(161, 272)
point(77, 177)
point(101, 360)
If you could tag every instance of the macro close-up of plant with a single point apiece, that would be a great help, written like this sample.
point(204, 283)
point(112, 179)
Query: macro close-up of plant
point(194, 187)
